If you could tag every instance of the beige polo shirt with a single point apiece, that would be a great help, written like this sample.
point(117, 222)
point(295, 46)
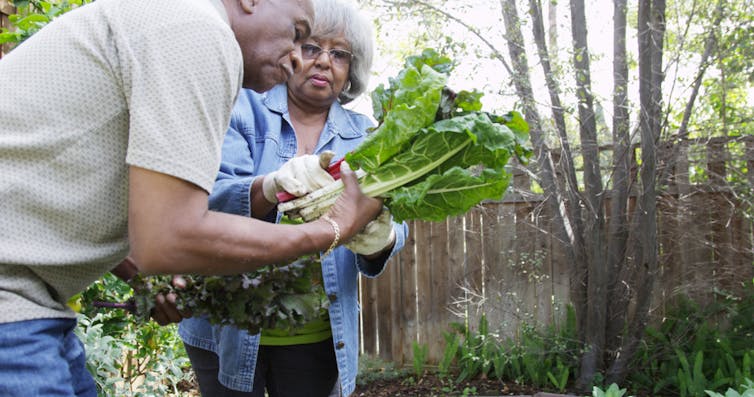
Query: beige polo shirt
point(111, 84)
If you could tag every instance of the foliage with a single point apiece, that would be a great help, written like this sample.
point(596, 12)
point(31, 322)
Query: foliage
point(424, 167)
point(272, 297)
point(32, 15)
point(420, 358)
point(698, 348)
point(128, 358)
point(747, 390)
point(537, 358)
point(612, 391)
point(373, 369)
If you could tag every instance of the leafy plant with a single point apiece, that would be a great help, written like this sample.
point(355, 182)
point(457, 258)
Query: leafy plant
point(476, 355)
point(273, 297)
point(747, 390)
point(612, 391)
point(128, 358)
point(696, 349)
point(420, 358)
point(33, 15)
point(452, 341)
point(428, 168)
point(559, 379)
point(373, 369)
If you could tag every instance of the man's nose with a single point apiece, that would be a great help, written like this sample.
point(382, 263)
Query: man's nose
point(296, 60)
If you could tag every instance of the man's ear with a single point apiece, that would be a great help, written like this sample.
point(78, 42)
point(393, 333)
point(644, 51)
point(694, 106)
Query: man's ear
point(248, 5)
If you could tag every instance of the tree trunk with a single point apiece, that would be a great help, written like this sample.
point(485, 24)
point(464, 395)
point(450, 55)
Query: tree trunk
point(573, 200)
point(552, 28)
point(552, 196)
point(651, 37)
point(618, 295)
point(594, 213)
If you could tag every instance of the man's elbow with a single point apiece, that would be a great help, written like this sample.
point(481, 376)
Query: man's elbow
point(155, 258)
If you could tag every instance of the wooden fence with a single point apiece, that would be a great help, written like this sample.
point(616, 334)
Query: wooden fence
point(501, 259)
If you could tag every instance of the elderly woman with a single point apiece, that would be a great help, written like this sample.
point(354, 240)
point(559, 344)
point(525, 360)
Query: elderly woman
point(289, 127)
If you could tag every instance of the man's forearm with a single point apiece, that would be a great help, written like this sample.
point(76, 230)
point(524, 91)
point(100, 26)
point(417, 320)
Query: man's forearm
point(172, 231)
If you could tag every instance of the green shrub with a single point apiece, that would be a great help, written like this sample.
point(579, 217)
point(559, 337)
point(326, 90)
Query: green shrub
point(372, 369)
point(128, 358)
point(697, 348)
point(747, 390)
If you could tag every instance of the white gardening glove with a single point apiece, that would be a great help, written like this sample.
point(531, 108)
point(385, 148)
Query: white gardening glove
point(376, 236)
point(298, 176)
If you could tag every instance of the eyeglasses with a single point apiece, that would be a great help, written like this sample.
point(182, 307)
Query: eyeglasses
point(341, 57)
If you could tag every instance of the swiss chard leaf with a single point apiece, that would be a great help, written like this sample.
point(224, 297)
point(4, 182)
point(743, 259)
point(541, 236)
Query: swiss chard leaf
point(407, 107)
point(451, 193)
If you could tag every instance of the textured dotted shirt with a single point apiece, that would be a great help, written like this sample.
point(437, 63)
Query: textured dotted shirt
point(148, 83)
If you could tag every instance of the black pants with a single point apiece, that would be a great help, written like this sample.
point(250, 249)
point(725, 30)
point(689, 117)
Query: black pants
point(285, 371)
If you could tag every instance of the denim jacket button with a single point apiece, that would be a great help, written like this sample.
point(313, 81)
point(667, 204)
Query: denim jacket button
point(332, 297)
point(340, 345)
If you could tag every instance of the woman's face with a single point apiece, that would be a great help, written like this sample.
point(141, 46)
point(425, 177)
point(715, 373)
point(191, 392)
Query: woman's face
point(324, 74)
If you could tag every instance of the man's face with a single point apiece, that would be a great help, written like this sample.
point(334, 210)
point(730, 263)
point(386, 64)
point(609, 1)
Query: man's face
point(270, 38)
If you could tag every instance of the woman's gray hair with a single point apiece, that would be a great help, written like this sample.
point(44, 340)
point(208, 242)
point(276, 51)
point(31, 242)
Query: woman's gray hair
point(333, 18)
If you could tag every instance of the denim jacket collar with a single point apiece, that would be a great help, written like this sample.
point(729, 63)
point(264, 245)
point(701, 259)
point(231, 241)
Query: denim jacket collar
point(338, 122)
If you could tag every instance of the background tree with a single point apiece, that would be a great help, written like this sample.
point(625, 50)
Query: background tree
point(612, 249)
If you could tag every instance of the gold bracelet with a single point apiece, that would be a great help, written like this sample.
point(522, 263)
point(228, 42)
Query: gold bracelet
point(336, 229)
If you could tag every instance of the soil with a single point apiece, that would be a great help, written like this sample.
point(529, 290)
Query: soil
point(428, 385)
point(432, 386)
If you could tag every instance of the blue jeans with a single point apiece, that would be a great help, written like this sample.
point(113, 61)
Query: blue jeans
point(43, 358)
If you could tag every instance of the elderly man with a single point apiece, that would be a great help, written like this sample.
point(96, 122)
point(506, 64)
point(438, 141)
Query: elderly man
point(112, 120)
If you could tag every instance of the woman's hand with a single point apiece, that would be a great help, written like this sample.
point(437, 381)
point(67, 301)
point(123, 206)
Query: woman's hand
point(377, 236)
point(298, 176)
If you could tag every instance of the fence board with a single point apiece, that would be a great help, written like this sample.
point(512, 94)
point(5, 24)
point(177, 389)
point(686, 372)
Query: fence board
point(368, 292)
point(499, 252)
point(456, 272)
point(424, 283)
point(439, 297)
point(384, 308)
point(407, 292)
point(474, 261)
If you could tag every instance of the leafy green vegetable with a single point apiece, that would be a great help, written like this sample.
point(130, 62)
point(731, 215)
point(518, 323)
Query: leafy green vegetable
point(429, 171)
point(273, 297)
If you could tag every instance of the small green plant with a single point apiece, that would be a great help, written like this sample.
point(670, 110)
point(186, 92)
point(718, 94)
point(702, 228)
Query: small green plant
point(477, 352)
point(373, 369)
point(747, 390)
point(559, 379)
point(452, 341)
point(128, 358)
point(612, 391)
point(420, 358)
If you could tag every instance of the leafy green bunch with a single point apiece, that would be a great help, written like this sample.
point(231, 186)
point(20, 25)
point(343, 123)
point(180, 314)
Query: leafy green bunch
point(272, 297)
point(434, 153)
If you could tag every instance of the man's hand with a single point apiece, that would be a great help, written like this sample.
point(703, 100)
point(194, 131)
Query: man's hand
point(353, 210)
point(165, 310)
point(377, 236)
point(298, 176)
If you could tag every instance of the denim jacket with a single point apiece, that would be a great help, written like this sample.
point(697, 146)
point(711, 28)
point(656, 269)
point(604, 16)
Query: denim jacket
point(260, 139)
